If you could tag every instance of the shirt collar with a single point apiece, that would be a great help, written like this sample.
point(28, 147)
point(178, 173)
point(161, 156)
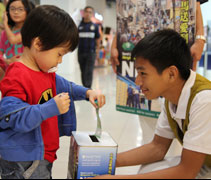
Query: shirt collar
point(86, 22)
point(184, 98)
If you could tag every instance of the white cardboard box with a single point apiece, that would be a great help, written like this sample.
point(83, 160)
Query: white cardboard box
point(90, 156)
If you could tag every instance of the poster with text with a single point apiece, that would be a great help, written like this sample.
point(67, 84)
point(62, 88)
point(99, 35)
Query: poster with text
point(135, 20)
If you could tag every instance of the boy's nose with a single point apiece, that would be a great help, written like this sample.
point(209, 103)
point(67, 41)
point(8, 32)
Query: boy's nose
point(138, 81)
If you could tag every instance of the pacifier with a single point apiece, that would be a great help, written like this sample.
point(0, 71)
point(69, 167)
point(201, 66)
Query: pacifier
point(53, 70)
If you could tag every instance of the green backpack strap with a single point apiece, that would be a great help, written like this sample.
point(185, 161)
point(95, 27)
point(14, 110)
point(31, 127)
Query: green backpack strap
point(173, 124)
point(201, 84)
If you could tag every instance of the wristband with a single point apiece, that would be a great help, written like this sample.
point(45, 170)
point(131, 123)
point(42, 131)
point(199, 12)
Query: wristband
point(202, 37)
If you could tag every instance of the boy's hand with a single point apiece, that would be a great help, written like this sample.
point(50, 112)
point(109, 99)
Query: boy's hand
point(63, 102)
point(94, 95)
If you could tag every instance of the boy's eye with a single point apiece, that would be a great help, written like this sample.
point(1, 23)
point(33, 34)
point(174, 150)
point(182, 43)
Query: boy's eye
point(142, 73)
point(60, 54)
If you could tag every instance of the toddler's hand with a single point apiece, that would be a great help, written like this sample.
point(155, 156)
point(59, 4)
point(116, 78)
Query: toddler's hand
point(63, 102)
point(94, 95)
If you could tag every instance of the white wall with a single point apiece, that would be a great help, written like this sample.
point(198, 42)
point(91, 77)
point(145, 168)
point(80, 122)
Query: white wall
point(67, 5)
point(64, 5)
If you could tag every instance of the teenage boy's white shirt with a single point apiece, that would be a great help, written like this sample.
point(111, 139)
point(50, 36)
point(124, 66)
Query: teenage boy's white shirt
point(198, 136)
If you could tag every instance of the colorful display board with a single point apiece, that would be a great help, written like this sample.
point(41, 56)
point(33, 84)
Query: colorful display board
point(135, 20)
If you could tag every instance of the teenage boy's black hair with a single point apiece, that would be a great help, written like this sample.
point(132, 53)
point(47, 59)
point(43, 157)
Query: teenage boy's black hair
point(27, 5)
point(53, 26)
point(164, 49)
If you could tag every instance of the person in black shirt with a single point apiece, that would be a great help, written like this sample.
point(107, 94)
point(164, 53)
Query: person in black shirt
point(89, 39)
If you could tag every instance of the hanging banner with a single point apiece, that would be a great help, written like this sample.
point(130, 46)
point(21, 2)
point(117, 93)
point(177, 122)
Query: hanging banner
point(136, 19)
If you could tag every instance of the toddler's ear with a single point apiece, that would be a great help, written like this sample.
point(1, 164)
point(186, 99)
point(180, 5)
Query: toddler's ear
point(37, 44)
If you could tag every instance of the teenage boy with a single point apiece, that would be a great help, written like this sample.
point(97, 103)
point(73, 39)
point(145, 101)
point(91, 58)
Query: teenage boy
point(163, 62)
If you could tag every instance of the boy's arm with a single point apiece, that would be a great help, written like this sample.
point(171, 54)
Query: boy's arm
point(157, 148)
point(29, 118)
point(78, 92)
point(189, 167)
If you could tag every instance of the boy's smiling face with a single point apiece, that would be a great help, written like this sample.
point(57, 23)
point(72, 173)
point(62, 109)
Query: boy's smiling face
point(152, 84)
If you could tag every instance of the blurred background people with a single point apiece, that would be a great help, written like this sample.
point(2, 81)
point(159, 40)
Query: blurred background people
point(13, 20)
point(89, 44)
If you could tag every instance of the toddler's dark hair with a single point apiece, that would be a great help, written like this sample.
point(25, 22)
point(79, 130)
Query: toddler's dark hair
point(53, 26)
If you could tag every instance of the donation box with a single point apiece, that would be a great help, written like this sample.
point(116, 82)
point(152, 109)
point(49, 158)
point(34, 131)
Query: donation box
point(91, 156)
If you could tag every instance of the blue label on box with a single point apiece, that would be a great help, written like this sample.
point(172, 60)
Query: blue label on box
point(96, 161)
